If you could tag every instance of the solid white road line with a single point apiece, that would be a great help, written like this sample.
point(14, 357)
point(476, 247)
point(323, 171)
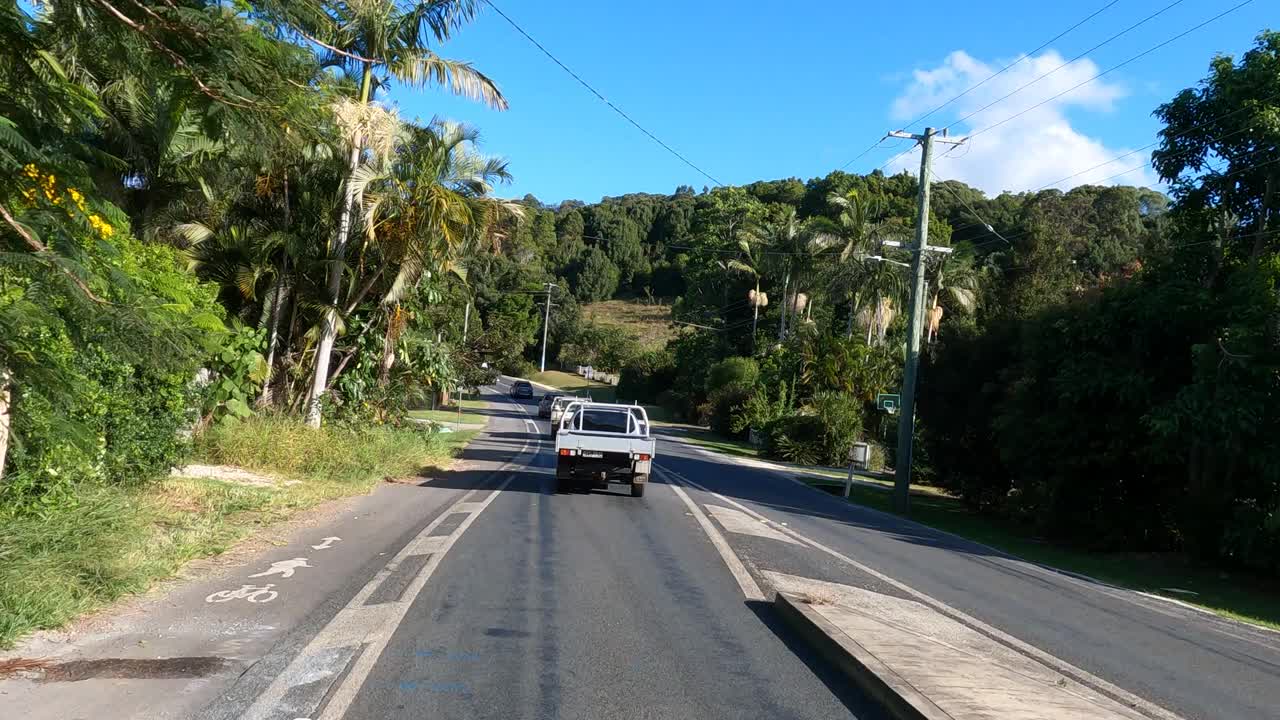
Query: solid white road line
point(1090, 584)
point(739, 571)
point(1061, 666)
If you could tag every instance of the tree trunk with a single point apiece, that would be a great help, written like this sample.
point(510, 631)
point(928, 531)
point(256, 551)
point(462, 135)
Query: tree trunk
point(853, 311)
point(265, 399)
point(388, 350)
point(872, 318)
point(329, 326)
point(755, 314)
point(6, 397)
point(782, 322)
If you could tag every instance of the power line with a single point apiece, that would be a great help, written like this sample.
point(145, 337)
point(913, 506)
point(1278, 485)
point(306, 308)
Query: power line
point(1022, 57)
point(1197, 126)
point(990, 228)
point(597, 93)
point(1111, 69)
point(1042, 46)
point(1118, 35)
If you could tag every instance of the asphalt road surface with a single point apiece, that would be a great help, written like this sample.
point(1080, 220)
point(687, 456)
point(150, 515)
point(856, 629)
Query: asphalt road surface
point(502, 599)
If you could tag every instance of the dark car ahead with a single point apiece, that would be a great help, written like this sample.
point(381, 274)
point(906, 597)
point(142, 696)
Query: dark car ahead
point(521, 390)
point(544, 403)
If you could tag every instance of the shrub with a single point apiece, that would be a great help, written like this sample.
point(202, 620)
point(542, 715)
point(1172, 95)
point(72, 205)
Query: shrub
point(740, 371)
point(647, 376)
point(797, 438)
point(841, 417)
point(518, 367)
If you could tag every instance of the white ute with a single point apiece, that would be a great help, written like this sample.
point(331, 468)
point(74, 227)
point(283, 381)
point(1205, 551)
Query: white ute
point(599, 442)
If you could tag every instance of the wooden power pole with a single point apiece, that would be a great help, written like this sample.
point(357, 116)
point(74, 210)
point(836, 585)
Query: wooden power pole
point(915, 321)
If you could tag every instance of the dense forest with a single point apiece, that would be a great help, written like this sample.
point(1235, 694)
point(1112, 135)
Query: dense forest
point(208, 215)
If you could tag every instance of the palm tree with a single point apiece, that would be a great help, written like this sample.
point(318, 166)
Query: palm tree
point(391, 37)
point(423, 209)
point(792, 256)
point(859, 273)
point(956, 279)
point(752, 242)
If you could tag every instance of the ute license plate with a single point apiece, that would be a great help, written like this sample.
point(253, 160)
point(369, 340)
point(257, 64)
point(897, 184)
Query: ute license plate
point(592, 454)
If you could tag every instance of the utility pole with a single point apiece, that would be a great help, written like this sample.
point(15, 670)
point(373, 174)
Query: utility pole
point(915, 321)
point(546, 320)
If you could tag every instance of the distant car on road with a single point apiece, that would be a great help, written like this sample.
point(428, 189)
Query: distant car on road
point(544, 405)
point(522, 390)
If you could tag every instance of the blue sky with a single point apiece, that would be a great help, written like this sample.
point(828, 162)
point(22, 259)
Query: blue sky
point(751, 91)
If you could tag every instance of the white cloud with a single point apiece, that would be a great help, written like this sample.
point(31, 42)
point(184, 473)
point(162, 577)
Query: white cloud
point(1034, 149)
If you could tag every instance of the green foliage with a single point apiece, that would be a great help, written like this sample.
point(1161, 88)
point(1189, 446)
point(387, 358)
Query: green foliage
point(604, 347)
point(594, 276)
point(647, 375)
point(237, 375)
point(732, 371)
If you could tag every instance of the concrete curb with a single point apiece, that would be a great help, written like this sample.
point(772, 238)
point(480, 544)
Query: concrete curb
point(899, 698)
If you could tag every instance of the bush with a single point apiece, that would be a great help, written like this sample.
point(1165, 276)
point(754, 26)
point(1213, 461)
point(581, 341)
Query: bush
point(647, 376)
point(841, 417)
point(740, 371)
point(518, 367)
point(797, 438)
point(727, 402)
point(100, 394)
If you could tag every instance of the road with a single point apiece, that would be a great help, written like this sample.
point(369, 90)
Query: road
point(484, 594)
point(553, 605)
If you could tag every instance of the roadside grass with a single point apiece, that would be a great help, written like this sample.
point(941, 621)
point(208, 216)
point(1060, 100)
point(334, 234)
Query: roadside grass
point(650, 323)
point(711, 441)
point(114, 541)
point(570, 382)
point(444, 415)
point(1236, 595)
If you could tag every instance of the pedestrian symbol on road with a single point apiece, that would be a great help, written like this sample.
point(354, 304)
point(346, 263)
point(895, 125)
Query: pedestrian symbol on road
point(283, 568)
point(888, 402)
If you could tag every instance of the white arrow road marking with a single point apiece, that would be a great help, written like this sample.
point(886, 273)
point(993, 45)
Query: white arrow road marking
point(328, 543)
point(284, 568)
point(739, 522)
point(370, 627)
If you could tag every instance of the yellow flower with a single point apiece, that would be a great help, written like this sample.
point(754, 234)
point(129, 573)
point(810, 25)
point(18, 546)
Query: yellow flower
point(32, 171)
point(75, 195)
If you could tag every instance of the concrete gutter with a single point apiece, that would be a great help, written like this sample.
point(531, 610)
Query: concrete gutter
point(899, 698)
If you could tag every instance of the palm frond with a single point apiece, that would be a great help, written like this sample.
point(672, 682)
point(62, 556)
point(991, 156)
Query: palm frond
point(424, 67)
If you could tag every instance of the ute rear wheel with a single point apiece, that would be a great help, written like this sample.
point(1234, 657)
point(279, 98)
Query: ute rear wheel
point(638, 484)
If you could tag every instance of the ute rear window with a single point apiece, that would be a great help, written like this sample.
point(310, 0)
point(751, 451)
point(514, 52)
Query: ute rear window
point(604, 421)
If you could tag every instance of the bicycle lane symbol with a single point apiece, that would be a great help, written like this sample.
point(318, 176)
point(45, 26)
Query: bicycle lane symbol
point(252, 593)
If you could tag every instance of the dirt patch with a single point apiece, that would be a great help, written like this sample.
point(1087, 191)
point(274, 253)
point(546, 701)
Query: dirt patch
point(231, 474)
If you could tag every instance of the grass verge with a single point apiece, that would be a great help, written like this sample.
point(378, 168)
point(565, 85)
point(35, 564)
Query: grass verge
point(76, 557)
point(600, 392)
point(1235, 595)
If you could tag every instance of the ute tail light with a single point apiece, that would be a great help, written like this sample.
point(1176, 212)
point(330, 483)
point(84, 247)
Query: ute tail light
point(642, 456)
point(566, 451)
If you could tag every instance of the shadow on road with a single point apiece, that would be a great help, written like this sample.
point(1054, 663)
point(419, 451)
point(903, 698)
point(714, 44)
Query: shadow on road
point(859, 704)
point(765, 487)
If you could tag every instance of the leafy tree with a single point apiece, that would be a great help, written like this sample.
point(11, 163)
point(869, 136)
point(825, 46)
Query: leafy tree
point(365, 38)
point(594, 276)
